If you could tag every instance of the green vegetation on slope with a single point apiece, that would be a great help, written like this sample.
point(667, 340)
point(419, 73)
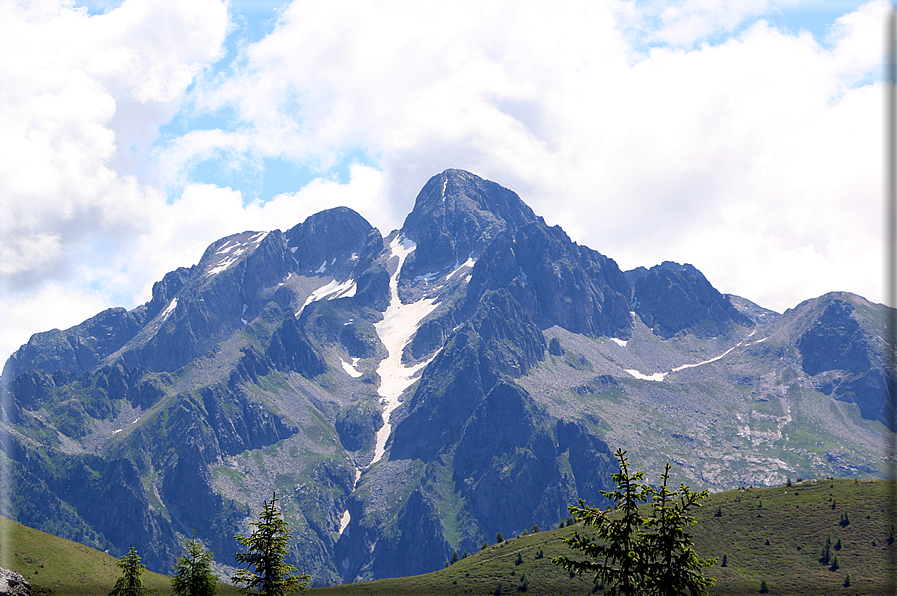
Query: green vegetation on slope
point(60, 566)
point(772, 535)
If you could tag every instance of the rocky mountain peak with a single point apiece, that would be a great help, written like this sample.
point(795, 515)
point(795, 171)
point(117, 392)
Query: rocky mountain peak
point(456, 214)
point(331, 239)
point(672, 298)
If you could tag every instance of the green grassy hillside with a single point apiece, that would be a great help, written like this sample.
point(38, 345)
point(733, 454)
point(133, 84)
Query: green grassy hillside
point(774, 535)
point(59, 566)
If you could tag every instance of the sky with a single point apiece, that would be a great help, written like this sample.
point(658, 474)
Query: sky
point(744, 137)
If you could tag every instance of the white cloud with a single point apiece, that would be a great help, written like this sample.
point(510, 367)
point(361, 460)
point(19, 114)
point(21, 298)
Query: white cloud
point(79, 95)
point(648, 153)
point(756, 159)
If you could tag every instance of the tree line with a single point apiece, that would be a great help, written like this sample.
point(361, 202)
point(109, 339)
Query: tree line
point(266, 568)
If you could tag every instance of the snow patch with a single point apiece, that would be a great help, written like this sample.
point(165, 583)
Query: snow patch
point(170, 308)
point(346, 518)
point(332, 290)
point(714, 359)
point(620, 342)
point(115, 432)
point(655, 377)
point(470, 262)
point(522, 273)
point(399, 323)
point(344, 521)
point(350, 368)
point(293, 249)
point(323, 267)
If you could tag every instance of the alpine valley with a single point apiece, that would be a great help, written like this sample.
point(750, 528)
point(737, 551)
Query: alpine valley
point(413, 395)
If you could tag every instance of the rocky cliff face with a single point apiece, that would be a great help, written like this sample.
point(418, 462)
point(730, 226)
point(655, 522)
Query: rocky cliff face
point(412, 395)
point(672, 298)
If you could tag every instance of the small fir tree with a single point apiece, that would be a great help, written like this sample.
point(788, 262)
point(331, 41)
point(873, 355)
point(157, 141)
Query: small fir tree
point(499, 537)
point(130, 582)
point(764, 589)
point(484, 546)
point(193, 575)
point(835, 566)
point(725, 562)
point(847, 581)
point(826, 555)
point(267, 548)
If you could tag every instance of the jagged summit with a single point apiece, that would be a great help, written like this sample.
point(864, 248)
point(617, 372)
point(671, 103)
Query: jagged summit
point(672, 298)
point(455, 216)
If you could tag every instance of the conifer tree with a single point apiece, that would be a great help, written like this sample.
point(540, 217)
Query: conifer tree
point(193, 575)
point(266, 548)
point(130, 582)
point(634, 555)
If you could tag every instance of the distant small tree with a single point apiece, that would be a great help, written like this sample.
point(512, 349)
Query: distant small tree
point(847, 581)
point(763, 587)
point(838, 544)
point(719, 511)
point(193, 575)
point(845, 520)
point(465, 555)
point(266, 550)
point(499, 537)
point(130, 582)
point(519, 560)
point(524, 583)
point(454, 558)
point(834, 566)
point(725, 562)
point(484, 546)
point(826, 556)
point(535, 529)
point(891, 535)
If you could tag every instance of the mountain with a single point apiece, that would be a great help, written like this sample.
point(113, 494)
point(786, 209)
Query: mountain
point(412, 395)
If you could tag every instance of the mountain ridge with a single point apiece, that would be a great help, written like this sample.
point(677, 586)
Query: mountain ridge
point(396, 391)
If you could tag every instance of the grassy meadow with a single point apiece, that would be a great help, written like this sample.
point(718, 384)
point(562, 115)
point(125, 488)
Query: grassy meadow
point(58, 566)
point(772, 535)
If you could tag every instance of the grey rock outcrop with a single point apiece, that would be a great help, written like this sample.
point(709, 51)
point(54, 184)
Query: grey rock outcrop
point(13, 584)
